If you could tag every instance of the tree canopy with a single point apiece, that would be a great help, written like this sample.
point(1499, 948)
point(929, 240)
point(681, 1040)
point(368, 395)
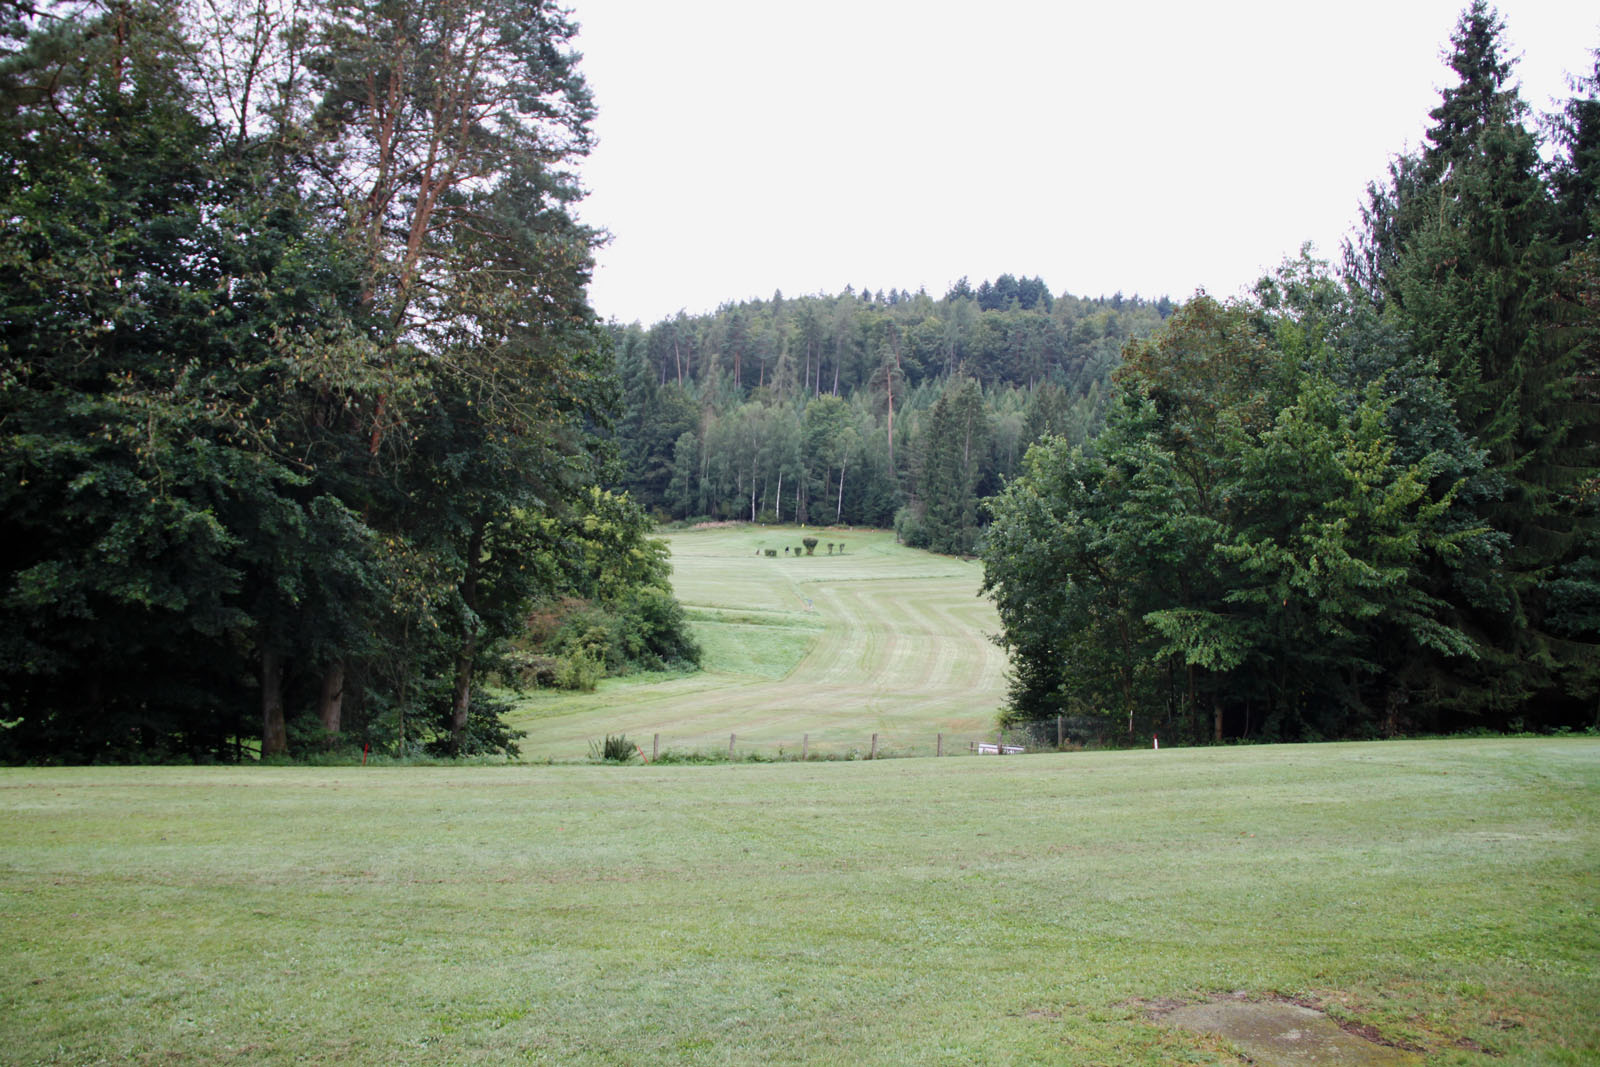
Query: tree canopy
point(297, 369)
point(821, 409)
point(1353, 505)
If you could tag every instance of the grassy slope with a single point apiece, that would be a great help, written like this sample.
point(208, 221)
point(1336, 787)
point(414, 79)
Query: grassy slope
point(882, 639)
point(914, 911)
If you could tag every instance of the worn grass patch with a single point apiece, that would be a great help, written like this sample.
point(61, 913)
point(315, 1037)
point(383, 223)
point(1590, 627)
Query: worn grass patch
point(1441, 895)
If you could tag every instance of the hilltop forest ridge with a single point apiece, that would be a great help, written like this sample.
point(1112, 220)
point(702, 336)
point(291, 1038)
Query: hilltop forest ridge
point(865, 408)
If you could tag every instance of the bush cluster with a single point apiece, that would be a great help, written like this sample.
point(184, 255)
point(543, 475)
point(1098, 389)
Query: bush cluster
point(572, 643)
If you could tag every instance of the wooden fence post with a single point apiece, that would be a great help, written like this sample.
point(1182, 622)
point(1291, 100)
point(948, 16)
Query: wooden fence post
point(938, 745)
point(999, 743)
point(655, 749)
point(1058, 731)
point(874, 754)
point(731, 739)
point(805, 745)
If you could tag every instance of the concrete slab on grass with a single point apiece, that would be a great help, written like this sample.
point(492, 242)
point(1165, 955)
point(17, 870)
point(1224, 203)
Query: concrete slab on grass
point(1274, 1034)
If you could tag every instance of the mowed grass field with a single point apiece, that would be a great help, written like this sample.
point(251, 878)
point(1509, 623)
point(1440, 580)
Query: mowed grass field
point(1026, 910)
point(877, 638)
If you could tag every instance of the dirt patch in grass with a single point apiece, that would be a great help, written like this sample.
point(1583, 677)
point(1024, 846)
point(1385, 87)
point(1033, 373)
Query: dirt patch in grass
point(1286, 1033)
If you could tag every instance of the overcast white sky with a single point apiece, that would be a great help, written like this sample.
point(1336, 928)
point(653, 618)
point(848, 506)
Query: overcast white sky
point(1154, 148)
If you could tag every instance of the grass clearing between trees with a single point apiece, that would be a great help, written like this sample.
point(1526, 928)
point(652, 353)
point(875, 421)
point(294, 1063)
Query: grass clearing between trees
point(1019, 910)
point(878, 638)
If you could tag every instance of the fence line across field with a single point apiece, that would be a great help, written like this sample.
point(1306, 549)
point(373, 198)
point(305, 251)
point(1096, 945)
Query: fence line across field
point(1007, 742)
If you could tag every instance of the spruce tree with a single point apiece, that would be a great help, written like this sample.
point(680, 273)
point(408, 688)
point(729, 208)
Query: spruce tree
point(1576, 174)
point(1463, 251)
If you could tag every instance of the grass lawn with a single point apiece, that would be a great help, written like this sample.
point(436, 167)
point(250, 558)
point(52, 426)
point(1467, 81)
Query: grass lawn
point(877, 638)
point(998, 910)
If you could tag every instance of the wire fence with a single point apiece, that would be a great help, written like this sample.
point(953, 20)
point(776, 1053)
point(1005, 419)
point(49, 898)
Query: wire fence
point(763, 747)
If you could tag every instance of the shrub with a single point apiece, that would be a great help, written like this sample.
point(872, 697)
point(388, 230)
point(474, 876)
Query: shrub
point(811, 545)
point(643, 629)
point(580, 670)
point(772, 553)
point(655, 632)
point(616, 749)
point(532, 669)
point(909, 529)
point(486, 732)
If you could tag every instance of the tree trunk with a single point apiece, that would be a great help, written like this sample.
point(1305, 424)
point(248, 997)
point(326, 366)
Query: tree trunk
point(777, 498)
point(461, 701)
point(1193, 705)
point(330, 707)
point(838, 512)
point(1127, 671)
point(891, 419)
point(466, 655)
point(1216, 716)
point(274, 734)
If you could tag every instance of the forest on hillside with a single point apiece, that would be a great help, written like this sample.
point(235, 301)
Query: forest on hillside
point(864, 408)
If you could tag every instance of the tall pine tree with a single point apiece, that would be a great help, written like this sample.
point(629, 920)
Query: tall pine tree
point(1463, 250)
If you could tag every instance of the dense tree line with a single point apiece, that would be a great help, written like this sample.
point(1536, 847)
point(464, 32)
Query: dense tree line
point(1347, 505)
point(864, 408)
point(299, 386)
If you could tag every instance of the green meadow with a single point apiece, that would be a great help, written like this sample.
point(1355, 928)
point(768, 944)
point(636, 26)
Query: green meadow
point(827, 648)
point(1442, 895)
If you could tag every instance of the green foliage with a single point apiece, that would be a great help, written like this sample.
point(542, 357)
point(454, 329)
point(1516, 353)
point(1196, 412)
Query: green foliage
point(609, 607)
point(277, 416)
point(1245, 550)
point(580, 669)
point(810, 544)
point(908, 528)
point(815, 409)
point(954, 461)
point(614, 749)
point(486, 732)
point(1474, 250)
point(1340, 510)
